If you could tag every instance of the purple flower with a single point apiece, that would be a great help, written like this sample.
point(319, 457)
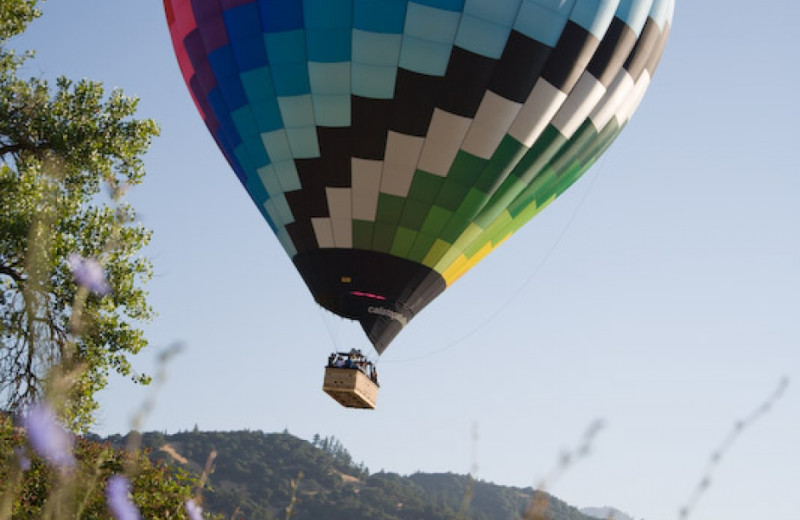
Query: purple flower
point(195, 512)
point(88, 273)
point(22, 459)
point(118, 497)
point(47, 437)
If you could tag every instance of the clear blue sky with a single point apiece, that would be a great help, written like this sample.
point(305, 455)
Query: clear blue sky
point(660, 295)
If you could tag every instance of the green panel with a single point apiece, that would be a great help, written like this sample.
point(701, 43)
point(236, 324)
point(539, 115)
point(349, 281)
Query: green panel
point(435, 221)
point(437, 251)
point(509, 152)
point(421, 246)
point(390, 208)
point(466, 168)
point(403, 241)
point(544, 149)
point(382, 237)
point(414, 214)
point(425, 186)
point(452, 194)
point(500, 201)
point(362, 234)
point(495, 233)
point(534, 192)
point(470, 207)
point(582, 138)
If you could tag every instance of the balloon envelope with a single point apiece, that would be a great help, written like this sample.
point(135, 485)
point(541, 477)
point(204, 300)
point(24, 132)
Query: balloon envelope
point(392, 144)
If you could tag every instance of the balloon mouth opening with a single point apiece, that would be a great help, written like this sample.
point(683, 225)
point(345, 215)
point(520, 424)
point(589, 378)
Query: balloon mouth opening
point(380, 291)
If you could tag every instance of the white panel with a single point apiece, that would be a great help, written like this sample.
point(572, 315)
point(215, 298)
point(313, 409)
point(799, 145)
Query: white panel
point(329, 78)
point(273, 213)
point(323, 232)
point(286, 241)
point(445, 135)
point(287, 175)
point(616, 94)
point(494, 117)
point(631, 103)
point(296, 111)
point(537, 112)
point(277, 145)
point(580, 102)
point(270, 180)
point(366, 183)
point(340, 208)
point(402, 155)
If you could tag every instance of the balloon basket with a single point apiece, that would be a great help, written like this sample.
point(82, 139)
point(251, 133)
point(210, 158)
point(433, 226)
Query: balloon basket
point(350, 387)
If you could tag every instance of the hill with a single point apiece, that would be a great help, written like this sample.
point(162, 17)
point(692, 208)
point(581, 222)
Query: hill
point(259, 475)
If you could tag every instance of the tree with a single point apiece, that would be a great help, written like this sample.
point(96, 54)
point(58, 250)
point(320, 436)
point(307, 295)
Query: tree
point(59, 147)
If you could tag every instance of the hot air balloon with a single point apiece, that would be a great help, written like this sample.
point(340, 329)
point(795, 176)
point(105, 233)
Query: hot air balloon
point(393, 144)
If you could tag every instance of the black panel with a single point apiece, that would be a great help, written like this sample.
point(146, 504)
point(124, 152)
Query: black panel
point(370, 126)
point(381, 291)
point(415, 96)
point(519, 67)
point(302, 234)
point(468, 74)
point(641, 53)
point(311, 200)
point(570, 56)
point(612, 52)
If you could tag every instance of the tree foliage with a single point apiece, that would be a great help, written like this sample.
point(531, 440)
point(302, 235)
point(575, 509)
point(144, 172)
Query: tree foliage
point(60, 146)
point(41, 491)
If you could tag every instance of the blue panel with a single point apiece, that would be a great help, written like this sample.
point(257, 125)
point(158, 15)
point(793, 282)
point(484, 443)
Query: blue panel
point(243, 158)
point(482, 37)
point(540, 22)
point(634, 13)
point(268, 115)
point(231, 134)
point(374, 81)
point(328, 14)
point(450, 5)
point(233, 92)
point(256, 189)
point(431, 24)
point(250, 53)
point(291, 79)
point(384, 16)
point(217, 103)
point(242, 21)
point(594, 15)
point(286, 46)
point(501, 12)
point(255, 148)
point(376, 48)
point(329, 45)
point(245, 122)
point(258, 84)
point(662, 12)
point(223, 62)
point(281, 15)
point(425, 57)
point(333, 111)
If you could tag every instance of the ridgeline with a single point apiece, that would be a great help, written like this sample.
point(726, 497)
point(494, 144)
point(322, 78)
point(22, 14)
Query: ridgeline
point(272, 476)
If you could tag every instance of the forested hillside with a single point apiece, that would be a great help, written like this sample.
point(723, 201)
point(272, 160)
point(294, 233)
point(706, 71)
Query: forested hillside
point(259, 475)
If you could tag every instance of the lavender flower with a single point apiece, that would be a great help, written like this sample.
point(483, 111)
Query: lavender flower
point(118, 498)
point(88, 273)
point(47, 437)
point(195, 511)
point(22, 458)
